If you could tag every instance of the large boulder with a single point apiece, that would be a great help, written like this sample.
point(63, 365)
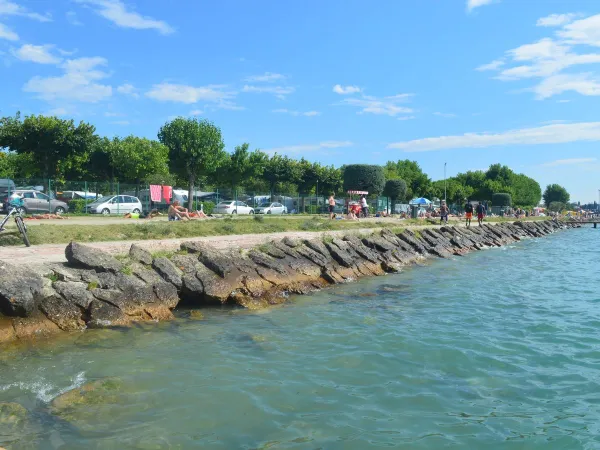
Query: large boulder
point(139, 254)
point(74, 293)
point(168, 271)
point(90, 258)
point(105, 315)
point(66, 315)
point(20, 290)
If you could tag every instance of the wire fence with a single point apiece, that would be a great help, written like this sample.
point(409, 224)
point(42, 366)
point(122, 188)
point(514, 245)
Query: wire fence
point(114, 197)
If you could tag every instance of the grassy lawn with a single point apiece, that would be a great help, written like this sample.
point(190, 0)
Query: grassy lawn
point(143, 230)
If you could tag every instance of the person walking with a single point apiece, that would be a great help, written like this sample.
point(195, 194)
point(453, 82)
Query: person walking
point(480, 213)
point(468, 213)
point(444, 211)
point(331, 206)
point(364, 205)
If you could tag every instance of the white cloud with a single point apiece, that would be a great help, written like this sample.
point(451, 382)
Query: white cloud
point(472, 4)
point(72, 18)
point(57, 112)
point(112, 114)
point(585, 31)
point(549, 57)
point(40, 54)
point(278, 91)
point(196, 112)
point(267, 77)
point(569, 162)
point(556, 20)
point(128, 89)
point(345, 90)
point(447, 115)
point(549, 134)
point(181, 93)
point(406, 118)
point(296, 113)
point(116, 12)
point(584, 84)
point(121, 122)
point(564, 101)
point(7, 33)
point(78, 83)
point(8, 8)
point(294, 149)
point(494, 65)
point(381, 106)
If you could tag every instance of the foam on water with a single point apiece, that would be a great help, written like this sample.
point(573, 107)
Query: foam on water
point(43, 389)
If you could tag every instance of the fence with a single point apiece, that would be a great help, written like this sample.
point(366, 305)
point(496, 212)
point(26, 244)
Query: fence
point(114, 197)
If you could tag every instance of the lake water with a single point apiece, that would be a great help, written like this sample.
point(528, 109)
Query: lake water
point(498, 349)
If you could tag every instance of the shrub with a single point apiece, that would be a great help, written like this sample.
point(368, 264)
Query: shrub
point(501, 199)
point(395, 189)
point(209, 207)
point(364, 177)
point(557, 206)
point(78, 205)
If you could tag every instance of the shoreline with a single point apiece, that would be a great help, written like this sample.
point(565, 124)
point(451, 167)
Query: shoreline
point(96, 290)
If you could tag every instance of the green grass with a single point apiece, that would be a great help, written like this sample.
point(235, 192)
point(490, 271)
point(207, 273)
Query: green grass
point(128, 231)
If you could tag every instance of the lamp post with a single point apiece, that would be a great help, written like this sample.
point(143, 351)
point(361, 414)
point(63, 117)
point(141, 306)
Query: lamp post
point(445, 184)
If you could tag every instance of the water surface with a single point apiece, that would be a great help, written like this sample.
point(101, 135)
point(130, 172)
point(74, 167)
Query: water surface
point(498, 349)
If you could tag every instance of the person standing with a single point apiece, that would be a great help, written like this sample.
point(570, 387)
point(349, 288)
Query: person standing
point(480, 213)
point(331, 206)
point(444, 211)
point(364, 205)
point(468, 213)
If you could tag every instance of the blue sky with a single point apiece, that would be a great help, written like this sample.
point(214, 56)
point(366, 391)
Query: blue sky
point(467, 82)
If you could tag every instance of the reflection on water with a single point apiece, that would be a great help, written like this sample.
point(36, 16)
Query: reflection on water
point(498, 349)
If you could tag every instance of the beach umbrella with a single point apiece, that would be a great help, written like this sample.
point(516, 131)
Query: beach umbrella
point(420, 201)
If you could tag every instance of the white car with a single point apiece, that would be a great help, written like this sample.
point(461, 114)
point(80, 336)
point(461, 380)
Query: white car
point(115, 204)
point(271, 208)
point(233, 208)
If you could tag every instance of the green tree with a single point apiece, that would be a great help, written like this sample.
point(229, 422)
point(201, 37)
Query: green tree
point(54, 145)
point(556, 193)
point(526, 191)
point(196, 149)
point(417, 182)
point(501, 199)
point(241, 166)
point(395, 189)
point(557, 206)
point(330, 179)
point(281, 169)
point(134, 158)
point(364, 177)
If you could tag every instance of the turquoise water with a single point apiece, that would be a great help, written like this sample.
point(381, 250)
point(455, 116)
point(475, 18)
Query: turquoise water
point(498, 349)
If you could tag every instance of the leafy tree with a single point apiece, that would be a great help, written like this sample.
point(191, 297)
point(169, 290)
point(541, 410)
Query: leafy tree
point(557, 206)
point(281, 169)
point(196, 149)
point(54, 145)
point(417, 182)
point(241, 166)
point(165, 179)
point(556, 193)
point(364, 177)
point(330, 179)
point(501, 199)
point(309, 176)
point(526, 191)
point(395, 189)
point(99, 165)
point(134, 158)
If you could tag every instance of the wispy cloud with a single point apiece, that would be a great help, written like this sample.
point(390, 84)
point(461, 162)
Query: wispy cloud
point(196, 112)
point(79, 82)
point(346, 90)
point(569, 162)
point(121, 122)
point(73, 19)
point(278, 91)
point(128, 89)
point(296, 113)
point(57, 112)
point(117, 13)
point(181, 93)
point(556, 20)
point(548, 58)
point(8, 8)
point(41, 54)
point(446, 115)
point(549, 134)
point(472, 4)
point(406, 118)
point(389, 106)
point(267, 77)
point(295, 149)
point(7, 33)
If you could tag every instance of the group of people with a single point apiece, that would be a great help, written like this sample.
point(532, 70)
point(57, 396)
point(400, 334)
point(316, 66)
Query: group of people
point(479, 209)
point(178, 212)
point(354, 211)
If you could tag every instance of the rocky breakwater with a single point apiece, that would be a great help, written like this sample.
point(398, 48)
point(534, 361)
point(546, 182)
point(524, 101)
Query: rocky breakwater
point(96, 290)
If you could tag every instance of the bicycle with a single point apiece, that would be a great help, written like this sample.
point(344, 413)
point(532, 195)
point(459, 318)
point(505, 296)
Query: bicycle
point(19, 221)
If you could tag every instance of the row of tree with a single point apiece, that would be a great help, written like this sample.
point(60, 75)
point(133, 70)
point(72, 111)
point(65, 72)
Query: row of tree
point(191, 152)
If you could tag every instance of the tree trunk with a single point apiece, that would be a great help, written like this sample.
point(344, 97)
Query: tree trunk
point(191, 193)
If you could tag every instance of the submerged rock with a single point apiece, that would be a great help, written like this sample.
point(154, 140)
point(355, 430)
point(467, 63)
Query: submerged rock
point(12, 416)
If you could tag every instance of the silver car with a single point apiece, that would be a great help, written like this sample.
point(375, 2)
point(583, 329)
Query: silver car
point(271, 208)
point(233, 207)
point(115, 204)
point(36, 202)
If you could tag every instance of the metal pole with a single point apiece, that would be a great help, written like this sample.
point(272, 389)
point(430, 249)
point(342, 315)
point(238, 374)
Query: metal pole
point(445, 184)
point(317, 210)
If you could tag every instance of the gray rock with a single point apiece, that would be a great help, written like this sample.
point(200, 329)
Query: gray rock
point(139, 254)
point(263, 260)
point(90, 258)
point(166, 293)
point(65, 314)
point(104, 315)
point(74, 293)
point(168, 271)
point(20, 290)
point(192, 289)
point(188, 264)
point(216, 261)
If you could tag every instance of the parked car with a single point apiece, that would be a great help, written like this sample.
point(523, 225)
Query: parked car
point(271, 208)
point(115, 204)
point(36, 201)
point(233, 207)
point(75, 195)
